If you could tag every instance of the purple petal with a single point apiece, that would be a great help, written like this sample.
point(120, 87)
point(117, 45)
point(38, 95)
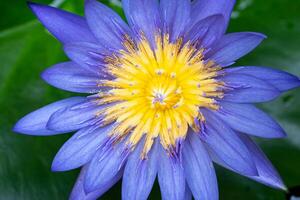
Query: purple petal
point(80, 148)
point(171, 177)
point(139, 174)
point(143, 16)
point(76, 117)
point(88, 56)
point(105, 165)
point(267, 174)
point(199, 169)
point(175, 17)
point(78, 192)
point(71, 77)
point(65, 26)
point(234, 46)
point(35, 122)
point(204, 8)
point(206, 31)
point(248, 89)
point(107, 26)
point(249, 119)
point(226, 144)
point(283, 81)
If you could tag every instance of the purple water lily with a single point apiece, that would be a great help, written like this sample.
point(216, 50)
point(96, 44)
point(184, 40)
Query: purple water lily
point(163, 101)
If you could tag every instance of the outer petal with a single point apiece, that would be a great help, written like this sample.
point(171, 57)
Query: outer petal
point(248, 89)
point(199, 170)
point(69, 76)
point(175, 17)
point(206, 31)
point(234, 46)
point(80, 149)
point(171, 177)
point(139, 175)
point(267, 174)
point(227, 145)
point(249, 119)
point(107, 26)
point(78, 192)
point(283, 81)
point(65, 26)
point(35, 122)
point(143, 16)
point(76, 117)
point(204, 8)
point(105, 165)
point(87, 55)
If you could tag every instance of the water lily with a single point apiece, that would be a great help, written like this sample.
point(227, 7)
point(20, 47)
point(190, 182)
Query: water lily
point(163, 100)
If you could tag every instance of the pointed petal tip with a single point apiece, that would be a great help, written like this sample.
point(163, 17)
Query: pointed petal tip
point(276, 183)
point(65, 26)
point(282, 80)
point(282, 134)
point(292, 83)
point(233, 46)
point(31, 4)
point(57, 166)
point(263, 36)
point(297, 80)
point(45, 75)
point(19, 128)
point(25, 127)
point(35, 122)
point(259, 35)
point(34, 7)
point(281, 186)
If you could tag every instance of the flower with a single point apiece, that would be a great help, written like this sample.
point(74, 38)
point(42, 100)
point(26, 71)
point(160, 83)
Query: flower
point(162, 100)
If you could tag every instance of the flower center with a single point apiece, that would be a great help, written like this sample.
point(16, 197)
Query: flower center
point(163, 91)
point(158, 93)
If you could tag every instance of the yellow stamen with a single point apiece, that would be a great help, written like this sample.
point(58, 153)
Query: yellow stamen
point(158, 93)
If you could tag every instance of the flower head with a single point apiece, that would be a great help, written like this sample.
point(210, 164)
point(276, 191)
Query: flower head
point(162, 100)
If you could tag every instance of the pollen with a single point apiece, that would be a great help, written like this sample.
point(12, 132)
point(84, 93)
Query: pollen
point(158, 91)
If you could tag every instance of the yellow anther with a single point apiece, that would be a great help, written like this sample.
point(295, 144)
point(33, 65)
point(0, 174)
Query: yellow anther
point(158, 93)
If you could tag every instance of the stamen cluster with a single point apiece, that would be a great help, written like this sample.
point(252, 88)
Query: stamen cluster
point(158, 92)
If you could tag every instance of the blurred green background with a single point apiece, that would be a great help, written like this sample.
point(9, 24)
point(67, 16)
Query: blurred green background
point(26, 49)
